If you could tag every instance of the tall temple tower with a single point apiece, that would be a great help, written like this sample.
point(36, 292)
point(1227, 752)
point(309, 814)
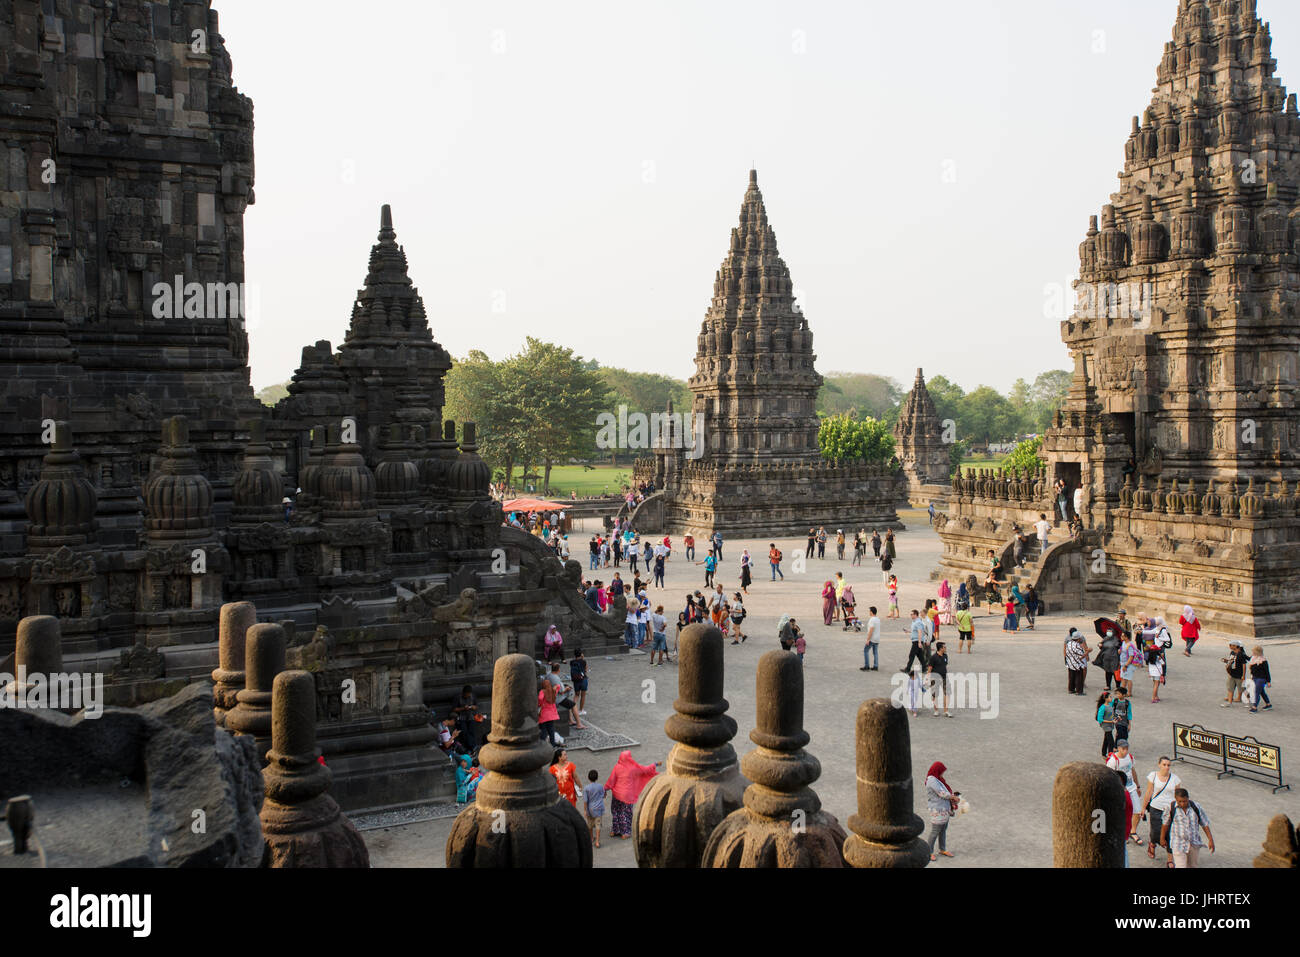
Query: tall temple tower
point(919, 437)
point(755, 391)
point(1181, 425)
point(754, 379)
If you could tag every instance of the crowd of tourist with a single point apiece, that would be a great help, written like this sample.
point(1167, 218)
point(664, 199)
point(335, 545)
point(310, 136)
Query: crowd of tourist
point(1121, 649)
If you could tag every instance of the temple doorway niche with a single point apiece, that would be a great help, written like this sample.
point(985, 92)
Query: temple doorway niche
point(1071, 472)
point(1126, 424)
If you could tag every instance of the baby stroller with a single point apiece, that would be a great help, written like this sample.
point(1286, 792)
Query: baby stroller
point(851, 619)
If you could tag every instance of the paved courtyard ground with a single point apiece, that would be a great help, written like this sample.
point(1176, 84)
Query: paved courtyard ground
point(1003, 764)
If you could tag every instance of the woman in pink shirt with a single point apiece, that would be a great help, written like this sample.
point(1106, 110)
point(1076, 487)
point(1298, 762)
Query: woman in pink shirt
point(548, 714)
point(627, 781)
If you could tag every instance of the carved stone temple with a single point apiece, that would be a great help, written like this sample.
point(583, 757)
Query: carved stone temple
point(918, 437)
point(758, 470)
point(1185, 340)
point(141, 484)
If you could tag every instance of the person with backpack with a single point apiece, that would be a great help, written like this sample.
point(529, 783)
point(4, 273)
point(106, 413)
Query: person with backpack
point(1121, 760)
point(774, 559)
point(1181, 833)
point(1236, 668)
point(1157, 799)
point(1107, 722)
point(717, 545)
point(1121, 714)
point(737, 616)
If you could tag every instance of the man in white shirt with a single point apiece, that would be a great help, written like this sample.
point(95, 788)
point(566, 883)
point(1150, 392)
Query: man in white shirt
point(872, 647)
point(1043, 526)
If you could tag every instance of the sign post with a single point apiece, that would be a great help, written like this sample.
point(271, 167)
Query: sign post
point(1249, 758)
point(1240, 757)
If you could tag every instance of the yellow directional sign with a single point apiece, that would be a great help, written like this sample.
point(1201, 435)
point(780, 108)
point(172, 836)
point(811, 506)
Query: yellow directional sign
point(1195, 739)
point(1251, 752)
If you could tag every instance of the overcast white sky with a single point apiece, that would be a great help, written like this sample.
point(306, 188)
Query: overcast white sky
point(571, 170)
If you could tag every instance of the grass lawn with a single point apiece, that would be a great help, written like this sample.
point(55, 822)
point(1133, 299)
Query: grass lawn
point(583, 480)
point(982, 462)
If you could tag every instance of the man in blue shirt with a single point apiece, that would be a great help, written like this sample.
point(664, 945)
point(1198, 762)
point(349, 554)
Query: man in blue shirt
point(919, 631)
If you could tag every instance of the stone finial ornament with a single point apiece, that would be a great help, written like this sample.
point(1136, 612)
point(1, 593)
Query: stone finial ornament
point(264, 654)
point(301, 822)
point(21, 820)
point(678, 810)
point(519, 818)
point(38, 651)
point(61, 503)
point(782, 823)
point(1281, 845)
point(885, 831)
point(228, 677)
point(1088, 826)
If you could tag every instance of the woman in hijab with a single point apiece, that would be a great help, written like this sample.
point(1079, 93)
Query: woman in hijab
point(785, 632)
point(963, 597)
point(468, 777)
point(627, 781)
point(942, 801)
point(1191, 628)
point(828, 601)
point(554, 644)
point(1022, 607)
point(945, 603)
point(745, 573)
point(565, 776)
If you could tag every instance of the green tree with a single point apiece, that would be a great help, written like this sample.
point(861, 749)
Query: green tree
point(866, 394)
point(1025, 456)
point(987, 416)
point(272, 393)
point(846, 438)
point(646, 392)
point(559, 398)
point(948, 398)
point(1047, 395)
point(480, 390)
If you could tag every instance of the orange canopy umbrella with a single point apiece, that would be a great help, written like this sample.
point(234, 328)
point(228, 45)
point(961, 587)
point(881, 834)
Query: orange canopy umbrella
point(530, 505)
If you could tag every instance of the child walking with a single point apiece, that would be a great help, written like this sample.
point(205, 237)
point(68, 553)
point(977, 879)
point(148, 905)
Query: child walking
point(593, 797)
point(893, 597)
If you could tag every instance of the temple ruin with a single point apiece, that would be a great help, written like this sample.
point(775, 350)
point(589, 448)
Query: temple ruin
point(142, 485)
point(1180, 424)
point(757, 469)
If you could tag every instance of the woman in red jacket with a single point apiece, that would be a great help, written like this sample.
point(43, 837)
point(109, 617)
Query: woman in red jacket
point(1191, 628)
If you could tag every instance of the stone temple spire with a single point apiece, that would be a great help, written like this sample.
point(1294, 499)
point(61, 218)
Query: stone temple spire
point(389, 369)
point(918, 435)
point(388, 309)
point(754, 357)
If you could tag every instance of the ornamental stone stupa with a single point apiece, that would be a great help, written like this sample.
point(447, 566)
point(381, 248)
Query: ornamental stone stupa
point(754, 467)
point(918, 435)
point(1180, 424)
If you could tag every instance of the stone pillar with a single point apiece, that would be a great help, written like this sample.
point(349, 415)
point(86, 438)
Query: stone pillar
point(886, 831)
point(228, 677)
point(264, 654)
point(1281, 845)
point(519, 818)
point(1088, 823)
point(22, 821)
point(678, 810)
point(302, 824)
point(782, 823)
point(39, 651)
